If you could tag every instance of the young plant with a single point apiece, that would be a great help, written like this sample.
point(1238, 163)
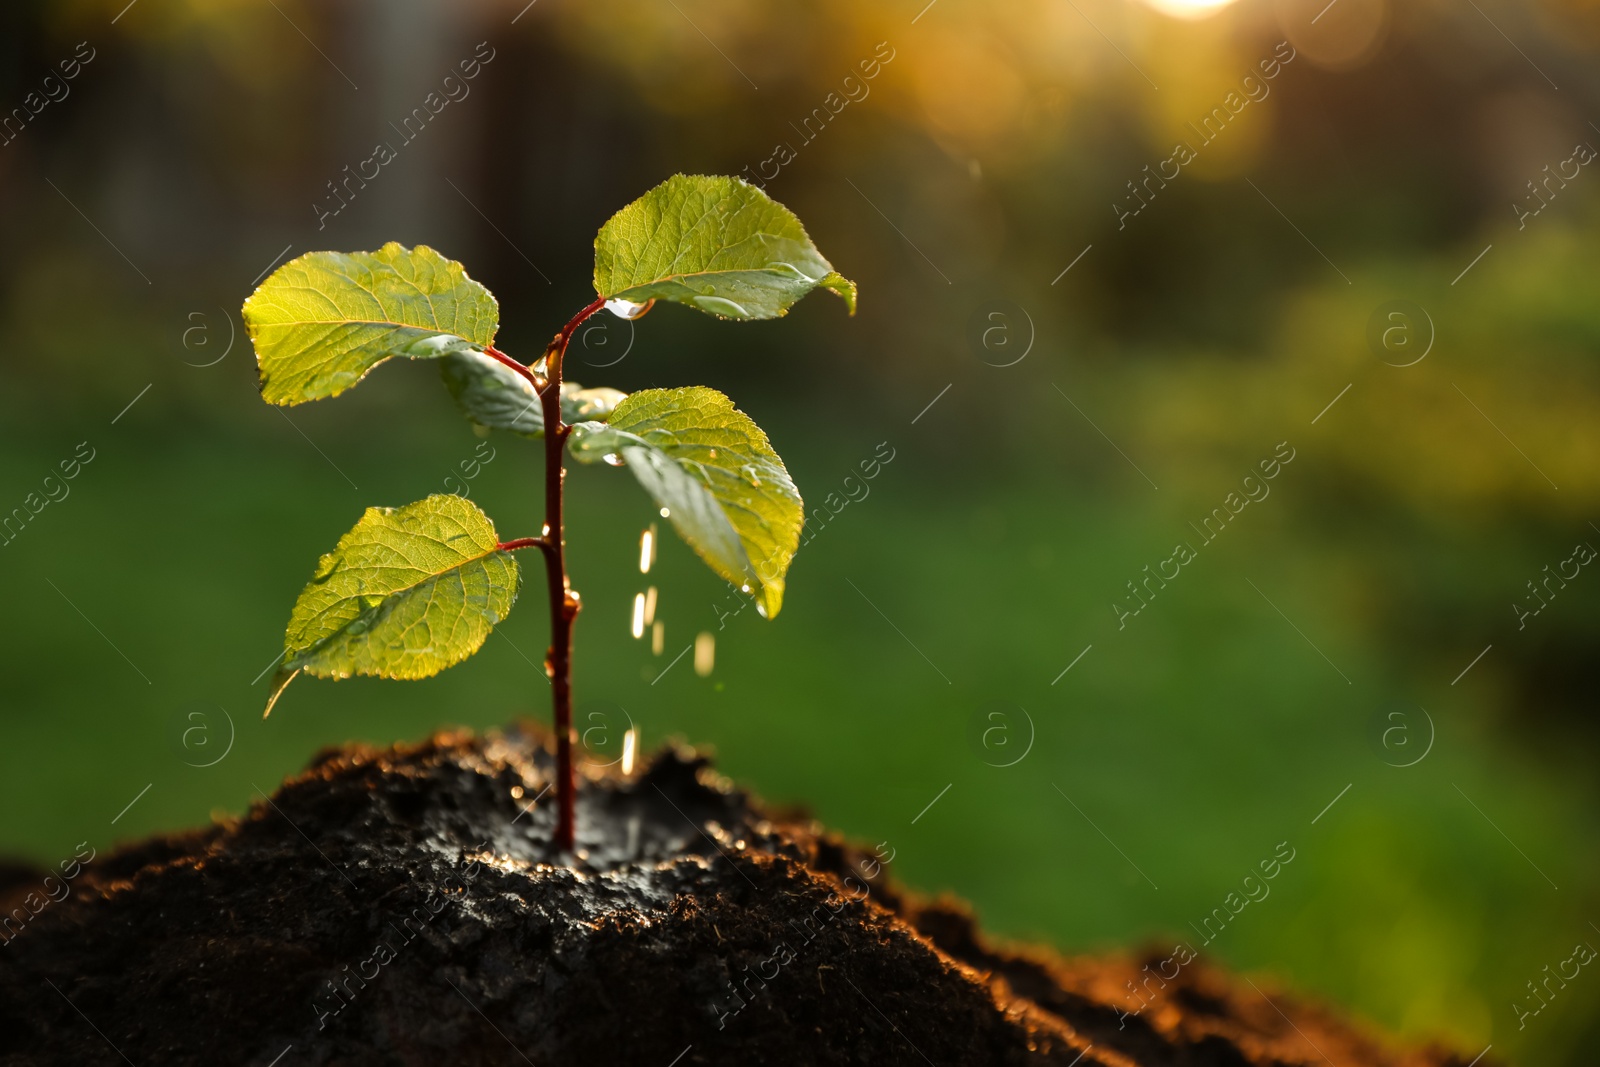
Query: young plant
point(412, 590)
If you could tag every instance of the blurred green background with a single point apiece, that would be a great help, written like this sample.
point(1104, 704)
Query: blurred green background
point(1320, 651)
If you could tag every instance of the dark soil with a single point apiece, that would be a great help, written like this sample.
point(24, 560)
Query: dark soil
point(398, 906)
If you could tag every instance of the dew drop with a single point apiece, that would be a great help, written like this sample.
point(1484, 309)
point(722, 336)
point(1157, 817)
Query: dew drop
point(613, 459)
point(666, 513)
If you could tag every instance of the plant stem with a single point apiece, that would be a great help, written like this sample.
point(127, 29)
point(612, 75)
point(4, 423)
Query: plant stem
point(564, 602)
point(523, 542)
point(496, 354)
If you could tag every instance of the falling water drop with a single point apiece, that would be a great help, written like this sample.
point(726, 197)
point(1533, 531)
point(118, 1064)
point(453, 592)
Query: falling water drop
point(658, 637)
point(630, 749)
point(647, 549)
point(650, 605)
point(705, 652)
point(638, 615)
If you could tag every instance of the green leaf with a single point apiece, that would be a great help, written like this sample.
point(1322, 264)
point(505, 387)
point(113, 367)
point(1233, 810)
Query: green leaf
point(718, 244)
point(716, 478)
point(322, 321)
point(406, 593)
point(493, 395)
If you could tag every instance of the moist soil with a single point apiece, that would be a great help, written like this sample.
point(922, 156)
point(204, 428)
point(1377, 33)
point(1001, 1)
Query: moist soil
point(404, 906)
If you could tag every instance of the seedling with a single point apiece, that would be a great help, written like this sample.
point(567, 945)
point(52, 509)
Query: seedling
point(412, 590)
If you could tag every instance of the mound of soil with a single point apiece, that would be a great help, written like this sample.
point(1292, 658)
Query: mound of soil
point(403, 906)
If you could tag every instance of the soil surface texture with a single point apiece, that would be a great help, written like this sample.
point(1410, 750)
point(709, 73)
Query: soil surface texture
point(403, 906)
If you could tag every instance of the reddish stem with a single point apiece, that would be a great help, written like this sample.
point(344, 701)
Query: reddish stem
point(523, 542)
point(494, 353)
point(564, 603)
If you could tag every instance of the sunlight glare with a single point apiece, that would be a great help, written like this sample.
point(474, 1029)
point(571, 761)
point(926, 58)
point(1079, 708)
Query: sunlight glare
point(1188, 9)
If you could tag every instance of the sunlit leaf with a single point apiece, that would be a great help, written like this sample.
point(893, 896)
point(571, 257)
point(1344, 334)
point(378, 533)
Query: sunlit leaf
point(319, 323)
point(406, 593)
point(718, 244)
point(493, 395)
point(716, 477)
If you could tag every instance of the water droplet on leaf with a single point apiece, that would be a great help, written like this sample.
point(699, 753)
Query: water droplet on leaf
point(627, 309)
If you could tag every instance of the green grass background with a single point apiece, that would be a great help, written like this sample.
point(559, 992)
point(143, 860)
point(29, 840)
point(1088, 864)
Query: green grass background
point(1193, 741)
